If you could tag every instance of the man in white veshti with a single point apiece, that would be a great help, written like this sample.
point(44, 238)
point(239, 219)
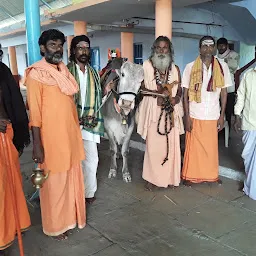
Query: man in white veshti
point(88, 101)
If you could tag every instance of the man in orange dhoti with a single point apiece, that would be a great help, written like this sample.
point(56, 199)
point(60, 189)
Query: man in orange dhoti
point(162, 160)
point(14, 135)
point(57, 137)
point(204, 80)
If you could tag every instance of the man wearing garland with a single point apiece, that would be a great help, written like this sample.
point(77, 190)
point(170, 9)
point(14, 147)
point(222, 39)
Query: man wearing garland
point(88, 101)
point(162, 160)
point(205, 81)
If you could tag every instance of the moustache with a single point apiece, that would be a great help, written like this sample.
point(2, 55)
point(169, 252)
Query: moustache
point(161, 56)
point(57, 54)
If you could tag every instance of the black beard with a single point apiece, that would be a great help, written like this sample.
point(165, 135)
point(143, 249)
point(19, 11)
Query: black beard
point(221, 52)
point(83, 60)
point(53, 58)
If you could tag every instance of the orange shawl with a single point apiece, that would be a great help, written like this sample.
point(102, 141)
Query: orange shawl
point(46, 73)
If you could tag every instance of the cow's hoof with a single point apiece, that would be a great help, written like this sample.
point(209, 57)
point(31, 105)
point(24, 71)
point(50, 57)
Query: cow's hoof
point(112, 173)
point(127, 177)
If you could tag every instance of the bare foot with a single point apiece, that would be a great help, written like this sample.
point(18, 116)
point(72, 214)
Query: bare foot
point(219, 181)
point(149, 186)
point(241, 187)
point(187, 183)
point(173, 187)
point(90, 200)
point(61, 237)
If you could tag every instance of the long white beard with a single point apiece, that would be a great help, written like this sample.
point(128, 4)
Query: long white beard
point(161, 61)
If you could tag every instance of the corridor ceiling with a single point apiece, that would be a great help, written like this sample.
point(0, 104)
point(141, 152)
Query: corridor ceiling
point(12, 11)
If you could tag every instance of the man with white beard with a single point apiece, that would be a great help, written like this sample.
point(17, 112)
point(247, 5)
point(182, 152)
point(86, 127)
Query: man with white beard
point(160, 119)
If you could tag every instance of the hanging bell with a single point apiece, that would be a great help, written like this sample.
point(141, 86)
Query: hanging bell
point(124, 122)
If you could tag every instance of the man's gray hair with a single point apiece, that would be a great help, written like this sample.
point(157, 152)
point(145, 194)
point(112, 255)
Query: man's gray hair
point(156, 43)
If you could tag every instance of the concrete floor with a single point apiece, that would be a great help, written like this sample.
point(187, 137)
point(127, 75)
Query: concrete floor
point(126, 220)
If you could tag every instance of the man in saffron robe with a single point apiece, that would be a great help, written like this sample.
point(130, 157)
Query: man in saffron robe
point(204, 80)
point(162, 160)
point(57, 137)
point(14, 136)
point(88, 101)
point(245, 111)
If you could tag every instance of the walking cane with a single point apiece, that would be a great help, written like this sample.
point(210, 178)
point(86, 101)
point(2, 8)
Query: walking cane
point(12, 189)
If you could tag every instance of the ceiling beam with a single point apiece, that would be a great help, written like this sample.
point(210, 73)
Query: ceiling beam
point(3, 10)
point(46, 4)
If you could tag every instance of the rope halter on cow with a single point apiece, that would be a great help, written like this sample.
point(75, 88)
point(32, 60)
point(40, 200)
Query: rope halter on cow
point(117, 97)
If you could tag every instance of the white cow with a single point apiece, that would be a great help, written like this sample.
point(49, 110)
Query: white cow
point(119, 110)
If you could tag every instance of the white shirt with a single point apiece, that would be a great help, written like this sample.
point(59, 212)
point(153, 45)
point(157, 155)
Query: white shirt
point(83, 78)
point(232, 59)
point(245, 104)
point(209, 107)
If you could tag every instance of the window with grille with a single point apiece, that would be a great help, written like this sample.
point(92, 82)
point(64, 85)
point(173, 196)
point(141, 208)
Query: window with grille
point(138, 53)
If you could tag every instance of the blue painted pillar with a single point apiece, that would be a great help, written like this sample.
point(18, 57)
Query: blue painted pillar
point(32, 14)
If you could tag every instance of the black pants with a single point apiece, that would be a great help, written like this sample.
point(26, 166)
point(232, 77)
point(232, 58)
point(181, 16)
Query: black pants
point(230, 107)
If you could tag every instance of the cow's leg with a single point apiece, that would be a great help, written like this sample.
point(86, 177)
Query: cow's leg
point(125, 151)
point(118, 154)
point(113, 152)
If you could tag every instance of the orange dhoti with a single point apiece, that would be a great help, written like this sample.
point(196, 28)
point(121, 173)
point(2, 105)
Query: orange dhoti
point(13, 208)
point(156, 149)
point(62, 201)
point(201, 160)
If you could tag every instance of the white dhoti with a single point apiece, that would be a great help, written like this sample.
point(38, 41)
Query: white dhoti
point(89, 166)
point(249, 156)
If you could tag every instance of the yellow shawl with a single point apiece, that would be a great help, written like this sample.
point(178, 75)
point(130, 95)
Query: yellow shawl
point(196, 79)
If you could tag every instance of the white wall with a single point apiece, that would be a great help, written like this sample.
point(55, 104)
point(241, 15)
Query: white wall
point(105, 40)
point(247, 53)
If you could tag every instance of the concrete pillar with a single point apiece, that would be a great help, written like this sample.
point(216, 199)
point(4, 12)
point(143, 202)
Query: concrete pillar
point(127, 45)
point(13, 62)
point(80, 28)
point(163, 16)
point(32, 13)
point(69, 39)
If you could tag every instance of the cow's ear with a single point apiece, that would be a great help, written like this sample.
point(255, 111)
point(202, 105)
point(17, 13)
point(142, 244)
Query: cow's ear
point(118, 72)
